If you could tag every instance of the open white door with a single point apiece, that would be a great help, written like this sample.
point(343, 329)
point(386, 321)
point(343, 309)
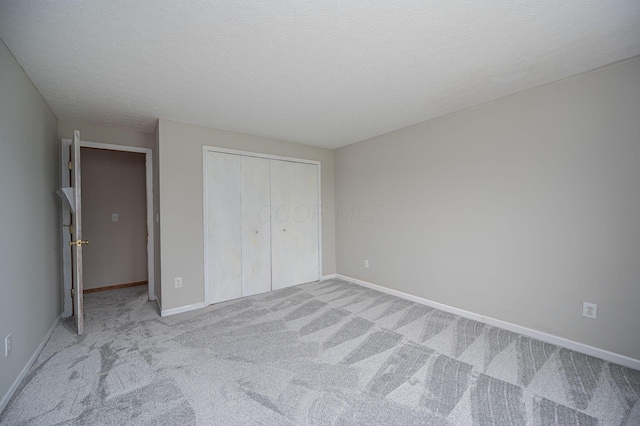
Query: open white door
point(77, 242)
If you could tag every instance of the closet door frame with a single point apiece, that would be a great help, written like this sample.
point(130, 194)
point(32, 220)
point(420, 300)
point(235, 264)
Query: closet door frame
point(206, 149)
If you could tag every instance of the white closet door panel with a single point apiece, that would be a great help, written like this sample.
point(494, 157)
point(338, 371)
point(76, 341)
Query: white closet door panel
point(256, 225)
point(224, 227)
point(294, 223)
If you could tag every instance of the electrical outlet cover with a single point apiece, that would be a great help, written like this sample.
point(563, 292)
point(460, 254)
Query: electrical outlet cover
point(589, 310)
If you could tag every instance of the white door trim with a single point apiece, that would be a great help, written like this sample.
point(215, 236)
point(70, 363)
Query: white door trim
point(205, 150)
point(149, 196)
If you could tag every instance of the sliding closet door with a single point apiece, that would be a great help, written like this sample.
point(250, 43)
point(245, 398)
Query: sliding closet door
point(294, 223)
point(224, 220)
point(256, 225)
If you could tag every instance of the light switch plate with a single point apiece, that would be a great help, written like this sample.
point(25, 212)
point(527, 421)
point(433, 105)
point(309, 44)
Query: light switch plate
point(114, 217)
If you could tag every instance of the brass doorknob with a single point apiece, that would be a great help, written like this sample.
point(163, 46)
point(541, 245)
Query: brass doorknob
point(78, 243)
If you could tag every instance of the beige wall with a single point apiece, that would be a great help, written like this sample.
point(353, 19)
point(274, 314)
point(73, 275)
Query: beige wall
point(29, 211)
point(113, 182)
point(92, 133)
point(181, 217)
point(520, 209)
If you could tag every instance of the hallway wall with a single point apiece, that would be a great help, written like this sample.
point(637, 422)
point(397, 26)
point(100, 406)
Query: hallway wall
point(113, 182)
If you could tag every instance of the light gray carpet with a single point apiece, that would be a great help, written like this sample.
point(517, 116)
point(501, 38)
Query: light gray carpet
point(319, 353)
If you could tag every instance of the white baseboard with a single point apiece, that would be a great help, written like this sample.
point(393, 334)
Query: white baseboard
point(535, 334)
point(328, 277)
point(181, 309)
point(7, 397)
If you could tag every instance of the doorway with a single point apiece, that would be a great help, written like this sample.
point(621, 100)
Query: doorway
point(114, 221)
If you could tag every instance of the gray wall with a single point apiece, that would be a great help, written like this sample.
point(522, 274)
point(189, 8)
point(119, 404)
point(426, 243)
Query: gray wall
point(520, 209)
point(181, 216)
point(113, 182)
point(29, 211)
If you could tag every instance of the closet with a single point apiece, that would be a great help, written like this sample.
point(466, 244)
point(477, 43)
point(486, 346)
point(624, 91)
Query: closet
point(262, 223)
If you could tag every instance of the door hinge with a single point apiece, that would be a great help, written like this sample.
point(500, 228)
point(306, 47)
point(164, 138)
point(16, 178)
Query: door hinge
point(73, 293)
point(70, 165)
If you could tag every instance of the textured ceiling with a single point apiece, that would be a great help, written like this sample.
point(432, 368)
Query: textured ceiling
point(321, 72)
